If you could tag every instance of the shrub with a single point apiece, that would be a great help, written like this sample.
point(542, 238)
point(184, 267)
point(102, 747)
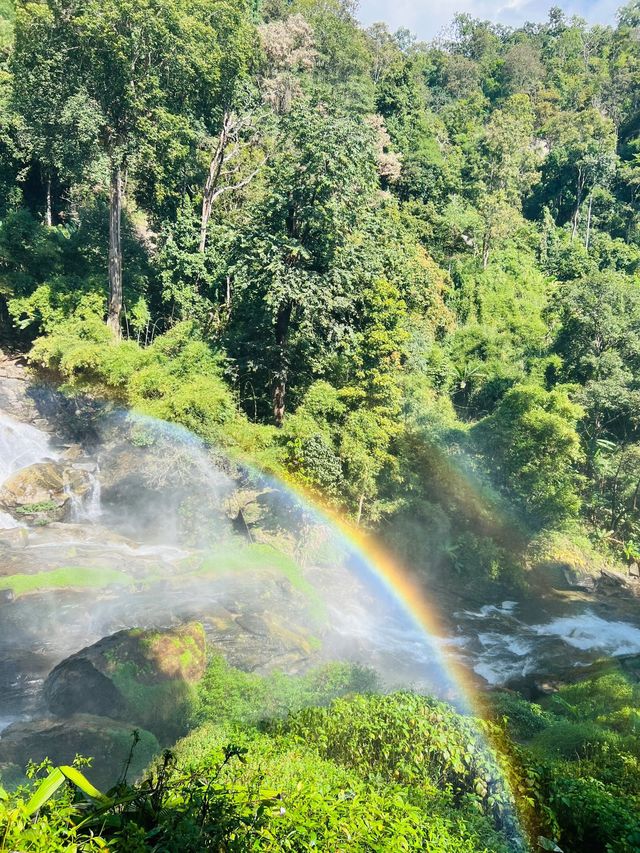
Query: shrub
point(573, 740)
point(524, 719)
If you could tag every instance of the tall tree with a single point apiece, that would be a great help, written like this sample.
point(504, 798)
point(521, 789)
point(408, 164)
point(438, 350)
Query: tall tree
point(109, 53)
point(128, 62)
point(294, 265)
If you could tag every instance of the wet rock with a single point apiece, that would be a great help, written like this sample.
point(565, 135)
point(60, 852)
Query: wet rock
point(43, 492)
point(609, 576)
point(145, 677)
point(107, 741)
point(261, 642)
point(14, 537)
point(72, 453)
point(577, 578)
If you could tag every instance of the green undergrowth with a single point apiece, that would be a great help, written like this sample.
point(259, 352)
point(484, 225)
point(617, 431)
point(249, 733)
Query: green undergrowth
point(237, 787)
point(580, 754)
point(30, 509)
point(234, 696)
point(72, 577)
point(265, 770)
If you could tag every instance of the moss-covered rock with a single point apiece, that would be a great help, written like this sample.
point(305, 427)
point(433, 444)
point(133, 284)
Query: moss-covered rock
point(142, 677)
point(105, 740)
point(43, 492)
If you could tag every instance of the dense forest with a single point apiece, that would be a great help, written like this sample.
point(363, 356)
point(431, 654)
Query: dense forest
point(403, 276)
point(352, 256)
point(386, 268)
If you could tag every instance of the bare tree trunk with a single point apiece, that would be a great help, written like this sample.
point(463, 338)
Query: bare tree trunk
point(48, 213)
point(486, 249)
point(588, 235)
point(215, 167)
point(576, 213)
point(279, 396)
point(360, 508)
point(280, 388)
point(115, 250)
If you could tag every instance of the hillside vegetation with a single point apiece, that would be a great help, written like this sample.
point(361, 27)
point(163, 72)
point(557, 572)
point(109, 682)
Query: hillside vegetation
point(403, 276)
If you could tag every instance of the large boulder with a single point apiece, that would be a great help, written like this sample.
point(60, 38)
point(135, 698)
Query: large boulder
point(108, 742)
point(142, 677)
point(44, 492)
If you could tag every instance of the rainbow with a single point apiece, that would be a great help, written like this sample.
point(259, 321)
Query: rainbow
point(380, 566)
point(398, 583)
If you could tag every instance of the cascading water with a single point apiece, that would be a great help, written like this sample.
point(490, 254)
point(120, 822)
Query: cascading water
point(20, 445)
point(92, 506)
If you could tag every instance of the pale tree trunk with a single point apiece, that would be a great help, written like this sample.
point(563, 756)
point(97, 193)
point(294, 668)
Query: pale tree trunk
point(215, 168)
point(48, 213)
point(360, 509)
point(486, 249)
point(576, 213)
point(588, 236)
point(115, 250)
point(227, 147)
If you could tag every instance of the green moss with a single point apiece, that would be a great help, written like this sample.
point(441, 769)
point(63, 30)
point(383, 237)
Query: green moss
point(186, 658)
point(162, 707)
point(65, 577)
point(256, 557)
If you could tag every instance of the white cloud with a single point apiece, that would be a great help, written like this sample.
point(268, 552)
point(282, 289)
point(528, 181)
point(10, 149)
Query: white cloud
point(427, 19)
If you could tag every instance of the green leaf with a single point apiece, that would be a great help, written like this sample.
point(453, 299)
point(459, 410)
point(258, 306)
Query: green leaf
point(81, 782)
point(46, 790)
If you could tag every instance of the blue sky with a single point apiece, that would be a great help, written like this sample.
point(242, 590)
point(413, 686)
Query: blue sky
point(427, 18)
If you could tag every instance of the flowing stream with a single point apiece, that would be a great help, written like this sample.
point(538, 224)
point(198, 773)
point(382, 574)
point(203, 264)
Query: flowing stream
point(150, 582)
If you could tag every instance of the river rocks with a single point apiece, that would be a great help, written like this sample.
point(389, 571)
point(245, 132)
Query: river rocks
point(105, 740)
point(14, 537)
point(609, 576)
point(145, 677)
point(536, 686)
point(44, 492)
point(577, 578)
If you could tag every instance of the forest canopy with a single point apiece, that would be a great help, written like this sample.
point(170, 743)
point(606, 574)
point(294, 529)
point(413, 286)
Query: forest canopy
point(380, 267)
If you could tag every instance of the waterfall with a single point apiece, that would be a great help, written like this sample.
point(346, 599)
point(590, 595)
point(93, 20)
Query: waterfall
point(92, 504)
point(87, 508)
point(20, 445)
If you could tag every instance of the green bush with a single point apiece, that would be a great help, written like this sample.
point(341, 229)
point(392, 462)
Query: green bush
point(592, 818)
point(524, 719)
point(410, 740)
point(178, 378)
point(573, 740)
point(228, 694)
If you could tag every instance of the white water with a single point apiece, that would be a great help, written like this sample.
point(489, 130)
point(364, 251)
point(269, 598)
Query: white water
point(501, 646)
point(20, 445)
point(588, 631)
point(92, 505)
